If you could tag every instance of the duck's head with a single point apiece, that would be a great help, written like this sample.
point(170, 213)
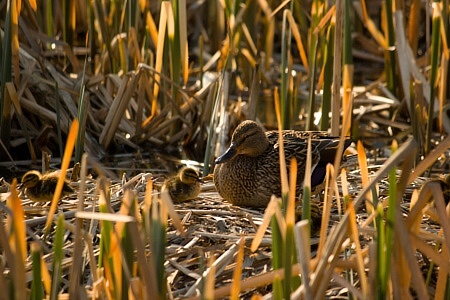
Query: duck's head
point(30, 179)
point(189, 176)
point(248, 139)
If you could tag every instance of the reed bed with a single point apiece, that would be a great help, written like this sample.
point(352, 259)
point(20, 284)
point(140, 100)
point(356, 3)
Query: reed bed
point(210, 234)
point(103, 90)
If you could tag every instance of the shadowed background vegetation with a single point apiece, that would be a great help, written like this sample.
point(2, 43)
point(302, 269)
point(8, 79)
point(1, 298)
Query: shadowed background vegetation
point(123, 83)
point(156, 75)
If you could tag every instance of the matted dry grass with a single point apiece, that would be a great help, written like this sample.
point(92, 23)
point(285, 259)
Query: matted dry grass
point(213, 229)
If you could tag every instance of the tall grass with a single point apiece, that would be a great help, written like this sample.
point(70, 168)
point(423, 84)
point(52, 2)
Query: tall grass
point(147, 76)
point(6, 70)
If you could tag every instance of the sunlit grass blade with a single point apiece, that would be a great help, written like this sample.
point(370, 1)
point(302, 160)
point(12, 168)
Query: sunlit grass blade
point(268, 213)
point(302, 238)
point(123, 59)
point(15, 224)
point(208, 287)
point(71, 138)
point(359, 258)
point(361, 10)
point(362, 160)
point(326, 209)
point(278, 242)
point(46, 277)
point(298, 40)
point(291, 283)
point(152, 29)
point(236, 284)
point(165, 9)
point(183, 25)
point(409, 147)
point(443, 79)
point(413, 24)
point(405, 258)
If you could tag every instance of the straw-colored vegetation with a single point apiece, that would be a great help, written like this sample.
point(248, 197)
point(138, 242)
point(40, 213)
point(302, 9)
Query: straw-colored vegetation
point(114, 85)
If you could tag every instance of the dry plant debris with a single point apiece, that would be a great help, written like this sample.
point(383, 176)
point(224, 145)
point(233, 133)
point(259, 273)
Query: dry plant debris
point(214, 228)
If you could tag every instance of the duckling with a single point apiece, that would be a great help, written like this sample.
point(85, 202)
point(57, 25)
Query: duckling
point(248, 173)
point(183, 186)
point(40, 188)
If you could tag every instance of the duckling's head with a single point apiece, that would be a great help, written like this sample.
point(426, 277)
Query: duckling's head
point(248, 139)
point(189, 176)
point(30, 179)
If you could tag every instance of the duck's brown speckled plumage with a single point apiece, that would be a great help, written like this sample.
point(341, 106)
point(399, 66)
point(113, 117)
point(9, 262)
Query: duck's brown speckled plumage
point(183, 186)
point(248, 173)
point(41, 187)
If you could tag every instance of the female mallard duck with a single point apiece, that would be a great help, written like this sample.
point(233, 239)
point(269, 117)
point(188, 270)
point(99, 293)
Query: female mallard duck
point(183, 186)
point(248, 173)
point(40, 188)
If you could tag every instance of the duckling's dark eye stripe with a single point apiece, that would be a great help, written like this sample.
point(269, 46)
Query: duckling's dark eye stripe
point(191, 174)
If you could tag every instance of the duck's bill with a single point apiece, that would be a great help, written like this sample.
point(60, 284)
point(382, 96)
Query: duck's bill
point(229, 154)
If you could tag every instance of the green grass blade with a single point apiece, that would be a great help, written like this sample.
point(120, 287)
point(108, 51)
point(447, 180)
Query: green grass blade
point(285, 44)
point(388, 228)
point(57, 257)
point(6, 75)
point(83, 110)
point(49, 17)
point(312, 86)
point(58, 120)
point(158, 241)
point(37, 290)
point(390, 64)
point(328, 78)
point(435, 53)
